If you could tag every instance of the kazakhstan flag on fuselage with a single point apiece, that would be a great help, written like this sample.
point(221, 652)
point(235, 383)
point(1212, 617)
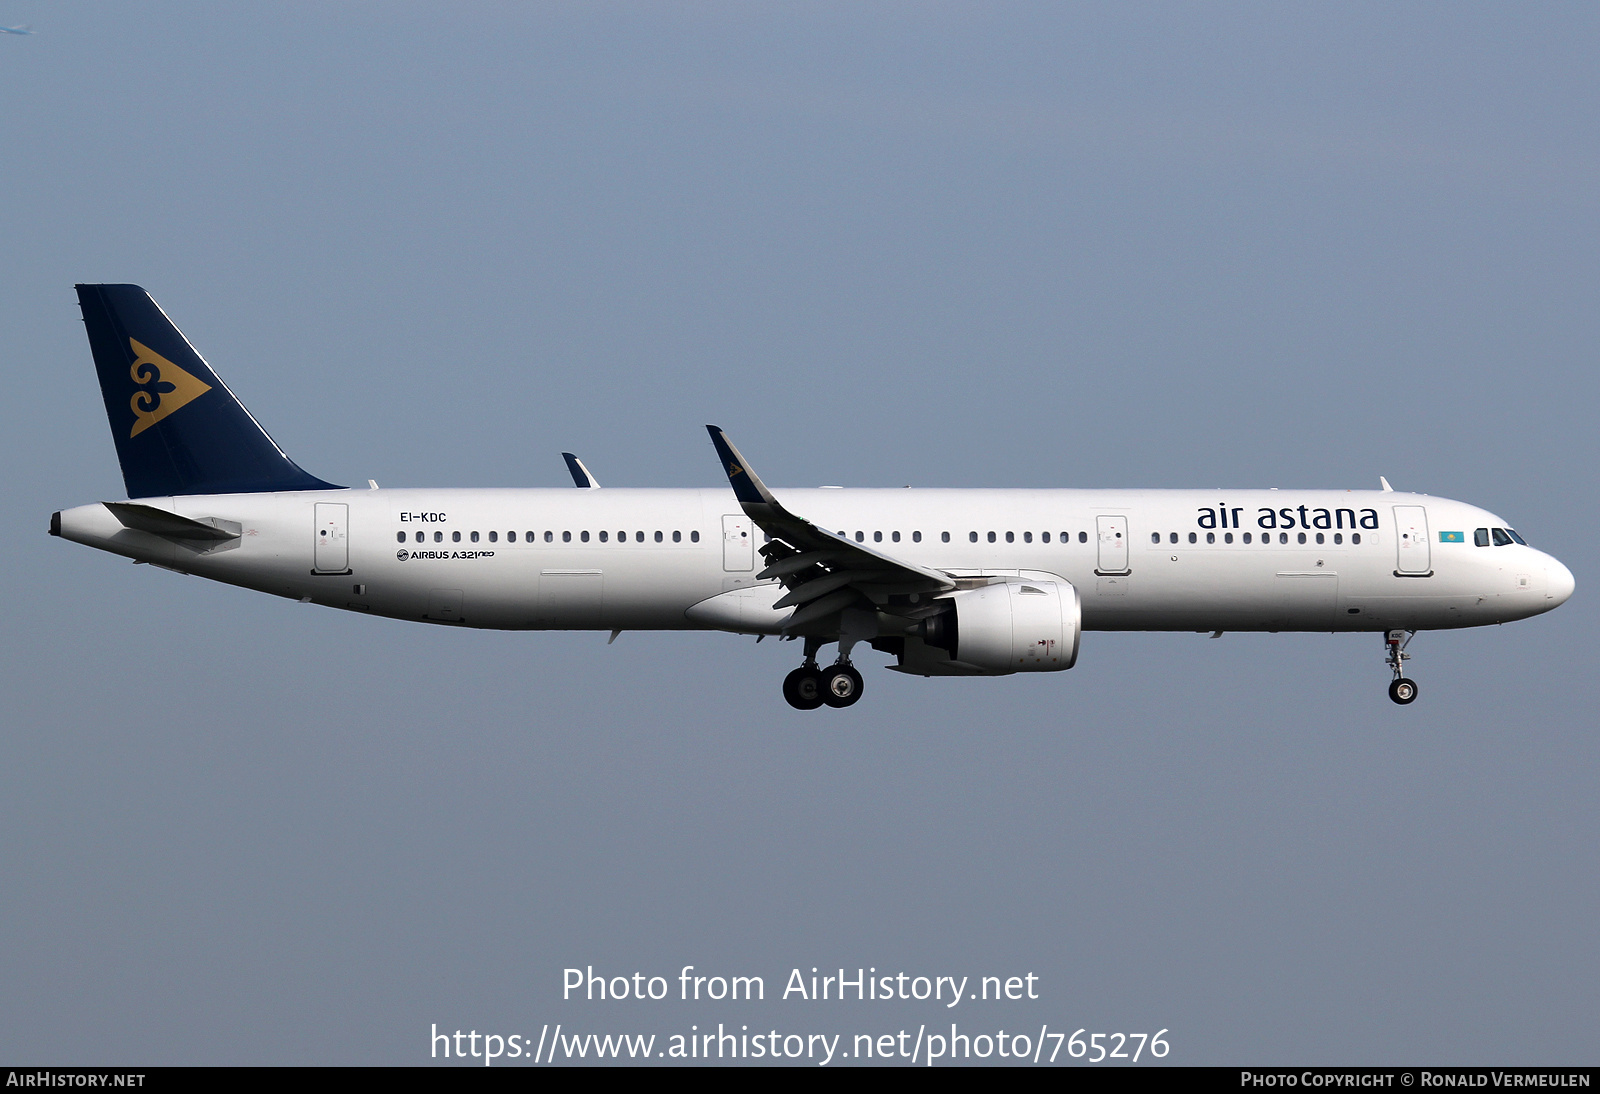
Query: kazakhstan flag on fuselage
point(1452, 537)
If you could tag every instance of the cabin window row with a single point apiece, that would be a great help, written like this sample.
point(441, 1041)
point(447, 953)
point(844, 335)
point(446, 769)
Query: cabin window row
point(972, 537)
point(1266, 537)
point(550, 537)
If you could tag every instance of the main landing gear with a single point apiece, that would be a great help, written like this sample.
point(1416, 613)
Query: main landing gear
point(1401, 690)
point(809, 687)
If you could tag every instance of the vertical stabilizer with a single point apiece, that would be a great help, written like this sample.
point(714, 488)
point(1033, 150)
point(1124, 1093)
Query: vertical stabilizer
point(177, 427)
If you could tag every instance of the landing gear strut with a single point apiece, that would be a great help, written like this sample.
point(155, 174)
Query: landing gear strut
point(1401, 690)
point(808, 687)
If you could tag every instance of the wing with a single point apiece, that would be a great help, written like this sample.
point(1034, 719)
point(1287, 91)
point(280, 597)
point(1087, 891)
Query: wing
point(825, 573)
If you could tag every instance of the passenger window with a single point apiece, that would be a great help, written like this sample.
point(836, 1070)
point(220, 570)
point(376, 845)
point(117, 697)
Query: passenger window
point(1319, 537)
point(1302, 537)
point(495, 536)
point(677, 537)
point(603, 536)
point(1227, 537)
point(438, 537)
point(877, 537)
point(1193, 538)
point(1355, 537)
point(916, 537)
point(583, 536)
point(1211, 537)
point(474, 537)
point(944, 537)
point(1044, 536)
point(1500, 537)
point(1174, 537)
point(511, 537)
point(694, 537)
point(895, 536)
point(991, 537)
point(658, 537)
point(1283, 537)
point(1083, 537)
point(860, 536)
point(972, 537)
point(1246, 537)
point(1011, 537)
point(1027, 537)
point(400, 538)
point(419, 537)
point(455, 537)
point(1338, 538)
point(1155, 537)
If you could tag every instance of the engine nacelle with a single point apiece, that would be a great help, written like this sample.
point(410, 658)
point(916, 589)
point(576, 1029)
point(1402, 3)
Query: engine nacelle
point(1013, 626)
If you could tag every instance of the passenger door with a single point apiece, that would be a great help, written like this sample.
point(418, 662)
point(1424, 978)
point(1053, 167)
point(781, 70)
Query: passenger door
point(738, 543)
point(1411, 540)
point(331, 555)
point(1113, 556)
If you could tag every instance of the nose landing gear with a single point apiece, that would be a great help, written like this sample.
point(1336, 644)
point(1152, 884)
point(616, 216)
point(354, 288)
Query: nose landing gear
point(1401, 690)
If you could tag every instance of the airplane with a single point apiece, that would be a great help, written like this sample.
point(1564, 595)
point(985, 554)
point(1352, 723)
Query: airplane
point(964, 582)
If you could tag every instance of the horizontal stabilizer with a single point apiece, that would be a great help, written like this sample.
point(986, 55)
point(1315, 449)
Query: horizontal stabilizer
point(159, 522)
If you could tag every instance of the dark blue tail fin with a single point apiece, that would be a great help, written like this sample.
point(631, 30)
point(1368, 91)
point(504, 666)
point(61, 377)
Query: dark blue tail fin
point(178, 428)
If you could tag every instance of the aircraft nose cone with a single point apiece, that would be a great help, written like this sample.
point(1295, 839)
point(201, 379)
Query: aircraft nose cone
point(1559, 582)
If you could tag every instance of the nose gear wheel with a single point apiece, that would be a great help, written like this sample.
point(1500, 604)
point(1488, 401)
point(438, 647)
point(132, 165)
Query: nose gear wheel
point(1401, 690)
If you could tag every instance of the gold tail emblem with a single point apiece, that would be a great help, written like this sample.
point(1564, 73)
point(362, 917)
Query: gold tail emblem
point(163, 387)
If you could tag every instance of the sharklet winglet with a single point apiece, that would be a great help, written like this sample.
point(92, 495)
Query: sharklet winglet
point(747, 485)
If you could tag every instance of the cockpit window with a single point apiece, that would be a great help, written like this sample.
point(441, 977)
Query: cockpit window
point(1500, 537)
point(1512, 532)
point(1480, 537)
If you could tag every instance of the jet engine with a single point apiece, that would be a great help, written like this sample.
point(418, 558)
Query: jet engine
point(995, 630)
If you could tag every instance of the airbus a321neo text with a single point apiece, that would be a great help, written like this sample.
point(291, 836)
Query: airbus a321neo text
point(947, 582)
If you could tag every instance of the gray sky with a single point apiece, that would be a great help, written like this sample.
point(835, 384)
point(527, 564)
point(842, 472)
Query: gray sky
point(988, 245)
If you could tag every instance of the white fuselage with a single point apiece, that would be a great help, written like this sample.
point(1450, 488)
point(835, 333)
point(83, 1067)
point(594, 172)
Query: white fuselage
point(649, 559)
